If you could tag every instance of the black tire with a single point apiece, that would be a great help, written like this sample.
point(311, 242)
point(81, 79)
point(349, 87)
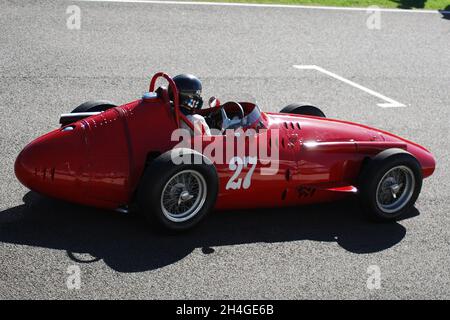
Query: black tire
point(375, 171)
point(303, 109)
point(94, 106)
point(160, 171)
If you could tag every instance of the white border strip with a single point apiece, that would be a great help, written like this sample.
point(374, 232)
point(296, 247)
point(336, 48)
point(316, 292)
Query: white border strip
point(390, 103)
point(262, 5)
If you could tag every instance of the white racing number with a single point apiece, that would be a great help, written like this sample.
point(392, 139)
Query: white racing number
point(236, 165)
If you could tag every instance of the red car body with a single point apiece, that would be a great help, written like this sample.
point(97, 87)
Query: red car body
point(101, 161)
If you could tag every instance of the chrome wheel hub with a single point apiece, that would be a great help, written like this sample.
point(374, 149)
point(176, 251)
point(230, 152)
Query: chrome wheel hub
point(395, 189)
point(183, 195)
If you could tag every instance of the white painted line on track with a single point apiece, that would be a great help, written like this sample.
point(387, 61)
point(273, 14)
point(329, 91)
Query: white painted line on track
point(390, 103)
point(267, 5)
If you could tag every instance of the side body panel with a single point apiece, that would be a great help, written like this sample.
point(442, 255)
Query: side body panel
point(120, 141)
point(256, 179)
point(108, 157)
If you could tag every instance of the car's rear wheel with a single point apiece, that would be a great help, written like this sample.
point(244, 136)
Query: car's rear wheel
point(175, 195)
point(390, 184)
point(303, 109)
point(94, 106)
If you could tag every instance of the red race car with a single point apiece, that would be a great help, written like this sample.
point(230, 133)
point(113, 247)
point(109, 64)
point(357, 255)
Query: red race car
point(130, 156)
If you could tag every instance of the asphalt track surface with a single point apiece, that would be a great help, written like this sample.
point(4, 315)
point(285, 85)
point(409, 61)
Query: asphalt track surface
point(313, 252)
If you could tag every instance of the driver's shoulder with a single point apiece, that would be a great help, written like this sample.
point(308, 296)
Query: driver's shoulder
point(195, 116)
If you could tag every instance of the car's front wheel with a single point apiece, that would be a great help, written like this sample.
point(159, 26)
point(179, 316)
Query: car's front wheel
point(390, 184)
point(177, 195)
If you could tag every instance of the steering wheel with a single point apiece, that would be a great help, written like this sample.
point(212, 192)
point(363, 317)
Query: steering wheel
point(226, 121)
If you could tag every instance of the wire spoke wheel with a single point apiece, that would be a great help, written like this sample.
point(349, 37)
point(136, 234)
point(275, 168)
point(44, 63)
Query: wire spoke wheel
point(395, 189)
point(183, 195)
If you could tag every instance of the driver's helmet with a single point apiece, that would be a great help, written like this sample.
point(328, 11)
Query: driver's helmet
point(189, 91)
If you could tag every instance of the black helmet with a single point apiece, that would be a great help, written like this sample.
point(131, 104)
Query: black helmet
point(189, 90)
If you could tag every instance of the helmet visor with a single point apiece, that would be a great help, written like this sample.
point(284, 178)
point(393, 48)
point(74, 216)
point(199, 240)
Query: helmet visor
point(191, 100)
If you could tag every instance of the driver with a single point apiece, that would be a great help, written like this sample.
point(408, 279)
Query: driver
point(189, 90)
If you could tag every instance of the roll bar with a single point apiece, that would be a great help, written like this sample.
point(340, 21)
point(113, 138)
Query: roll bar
point(176, 100)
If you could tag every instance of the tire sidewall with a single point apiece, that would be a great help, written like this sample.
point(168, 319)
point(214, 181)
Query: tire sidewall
point(157, 174)
point(375, 172)
point(94, 106)
point(303, 109)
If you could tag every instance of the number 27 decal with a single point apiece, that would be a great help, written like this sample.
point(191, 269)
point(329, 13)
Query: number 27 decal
point(236, 165)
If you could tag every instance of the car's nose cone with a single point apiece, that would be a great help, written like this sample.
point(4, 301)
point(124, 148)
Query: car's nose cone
point(24, 164)
point(52, 164)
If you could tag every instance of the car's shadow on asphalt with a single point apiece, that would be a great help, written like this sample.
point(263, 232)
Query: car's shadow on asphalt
point(127, 244)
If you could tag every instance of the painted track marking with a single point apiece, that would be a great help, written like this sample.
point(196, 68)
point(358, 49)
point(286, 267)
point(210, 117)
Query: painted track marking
point(390, 103)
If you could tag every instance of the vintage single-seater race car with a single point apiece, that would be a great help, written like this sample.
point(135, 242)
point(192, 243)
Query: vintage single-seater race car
point(124, 157)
